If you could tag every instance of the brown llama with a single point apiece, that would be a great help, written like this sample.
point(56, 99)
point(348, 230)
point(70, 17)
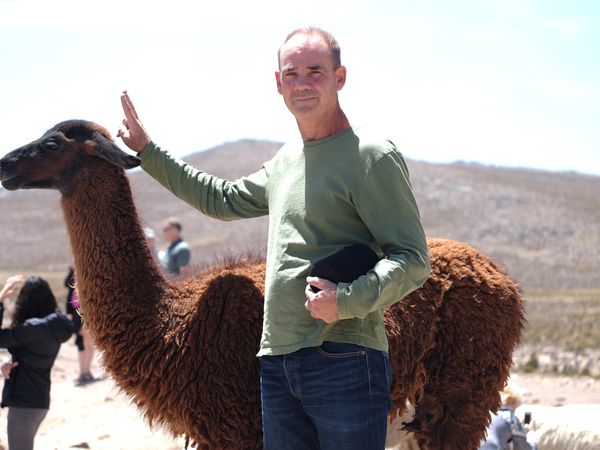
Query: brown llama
point(185, 352)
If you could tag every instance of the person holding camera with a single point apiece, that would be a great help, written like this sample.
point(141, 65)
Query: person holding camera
point(506, 431)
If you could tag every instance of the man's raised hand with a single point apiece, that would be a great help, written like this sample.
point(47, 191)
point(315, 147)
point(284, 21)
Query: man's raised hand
point(132, 132)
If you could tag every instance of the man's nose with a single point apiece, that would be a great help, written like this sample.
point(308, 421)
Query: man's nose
point(303, 81)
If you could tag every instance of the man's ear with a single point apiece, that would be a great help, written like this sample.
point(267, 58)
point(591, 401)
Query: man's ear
point(278, 81)
point(340, 77)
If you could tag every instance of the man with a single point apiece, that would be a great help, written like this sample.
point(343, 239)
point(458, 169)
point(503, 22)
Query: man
point(177, 256)
point(325, 371)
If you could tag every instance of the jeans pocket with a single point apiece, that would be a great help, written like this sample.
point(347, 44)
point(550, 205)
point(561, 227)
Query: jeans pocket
point(341, 350)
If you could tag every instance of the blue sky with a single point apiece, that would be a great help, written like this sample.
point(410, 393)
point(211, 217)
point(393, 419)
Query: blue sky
point(507, 82)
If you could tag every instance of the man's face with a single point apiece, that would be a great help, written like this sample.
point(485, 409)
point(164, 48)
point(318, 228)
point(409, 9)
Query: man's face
point(308, 80)
point(170, 233)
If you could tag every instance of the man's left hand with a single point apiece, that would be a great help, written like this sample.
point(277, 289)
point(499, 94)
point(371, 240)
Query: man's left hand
point(323, 304)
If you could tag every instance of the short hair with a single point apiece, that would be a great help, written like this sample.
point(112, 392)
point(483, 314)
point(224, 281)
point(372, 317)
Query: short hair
point(34, 300)
point(332, 43)
point(173, 222)
point(511, 394)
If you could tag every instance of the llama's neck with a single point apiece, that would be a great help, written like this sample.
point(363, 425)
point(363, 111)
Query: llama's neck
point(114, 269)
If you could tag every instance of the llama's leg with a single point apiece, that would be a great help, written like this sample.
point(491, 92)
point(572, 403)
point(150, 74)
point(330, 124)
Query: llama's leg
point(449, 424)
point(397, 436)
point(465, 373)
point(411, 326)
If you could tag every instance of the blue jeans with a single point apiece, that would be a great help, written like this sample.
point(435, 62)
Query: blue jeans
point(332, 397)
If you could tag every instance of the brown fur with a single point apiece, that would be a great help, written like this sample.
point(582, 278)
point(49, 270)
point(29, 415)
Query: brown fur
point(185, 352)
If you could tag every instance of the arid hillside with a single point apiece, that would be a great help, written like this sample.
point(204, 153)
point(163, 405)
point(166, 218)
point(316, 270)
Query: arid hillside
point(542, 226)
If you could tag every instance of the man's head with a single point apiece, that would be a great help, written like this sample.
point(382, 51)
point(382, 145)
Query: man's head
point(172, 229)
point(310, 74)
point(331, 42)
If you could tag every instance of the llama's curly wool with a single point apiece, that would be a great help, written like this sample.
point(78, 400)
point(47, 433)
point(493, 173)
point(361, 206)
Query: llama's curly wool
point(185, 352)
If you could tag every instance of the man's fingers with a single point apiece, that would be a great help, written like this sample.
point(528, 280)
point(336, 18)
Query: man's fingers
point(123, 133)
point(313, 285)
point(131, 106)
point(128, 108)
point(309, 306)
point(322, 284)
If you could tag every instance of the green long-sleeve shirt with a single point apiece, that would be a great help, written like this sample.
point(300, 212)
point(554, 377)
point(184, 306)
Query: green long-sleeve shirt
point(320, 196)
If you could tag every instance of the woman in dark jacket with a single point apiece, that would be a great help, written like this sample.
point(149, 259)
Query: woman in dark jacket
point(33, 340)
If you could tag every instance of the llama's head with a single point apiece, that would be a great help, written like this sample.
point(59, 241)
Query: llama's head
point(53, 160)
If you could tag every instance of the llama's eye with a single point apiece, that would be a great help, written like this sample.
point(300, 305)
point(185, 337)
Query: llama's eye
point(52, 145)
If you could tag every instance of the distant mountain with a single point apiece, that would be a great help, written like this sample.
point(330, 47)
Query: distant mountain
point(543, 226)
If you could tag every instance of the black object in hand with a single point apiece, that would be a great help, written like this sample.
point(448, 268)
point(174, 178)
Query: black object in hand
point(345, 265)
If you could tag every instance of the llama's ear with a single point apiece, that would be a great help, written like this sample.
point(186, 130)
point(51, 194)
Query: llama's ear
point(106, 149)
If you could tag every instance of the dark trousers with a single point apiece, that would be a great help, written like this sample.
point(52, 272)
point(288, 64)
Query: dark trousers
point(22, 426)
point(332, 397)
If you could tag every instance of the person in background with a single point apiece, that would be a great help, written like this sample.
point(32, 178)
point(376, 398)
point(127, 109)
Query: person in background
point(83, 339)
point(506, 431)
point(37, 331)
point(325, 369)
point(177, 256)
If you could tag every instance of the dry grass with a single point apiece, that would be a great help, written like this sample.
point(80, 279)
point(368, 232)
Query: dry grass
point(570, 319)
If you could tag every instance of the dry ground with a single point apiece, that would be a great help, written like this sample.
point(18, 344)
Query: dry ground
point(96, 416)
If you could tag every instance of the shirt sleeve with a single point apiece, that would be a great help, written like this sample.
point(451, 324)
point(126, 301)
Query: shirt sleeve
point(16, 336)
point(213, 196)
point(7, 335)
point(389, 210)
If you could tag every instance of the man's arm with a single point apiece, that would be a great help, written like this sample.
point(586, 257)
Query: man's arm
point(389, 210)
point(215, 197)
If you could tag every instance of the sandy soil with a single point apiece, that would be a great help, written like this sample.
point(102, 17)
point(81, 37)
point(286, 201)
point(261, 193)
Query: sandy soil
point(97, 416)
point(552, 390)
point(94, 416)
